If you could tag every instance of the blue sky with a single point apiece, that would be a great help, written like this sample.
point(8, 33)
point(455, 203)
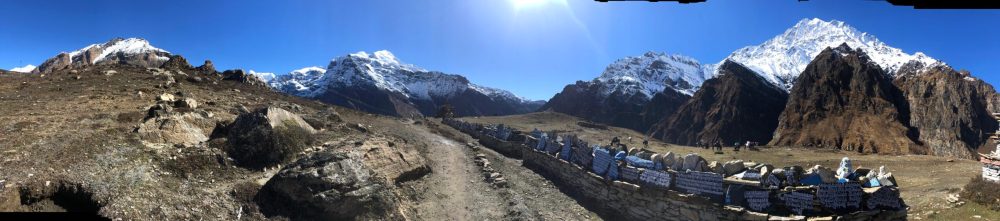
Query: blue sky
point(532, 49)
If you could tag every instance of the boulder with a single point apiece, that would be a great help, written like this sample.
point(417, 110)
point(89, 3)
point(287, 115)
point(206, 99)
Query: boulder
point(158, 110)
point(176, 62)
point(327, 185)
point(171, 130)
point(166, 97)
point(826, 174)
point(186, 103)
point(733, 167)
point(695, 163)
point(267, 137)
point(207, 67)
point(716, 167)
point(668, 159)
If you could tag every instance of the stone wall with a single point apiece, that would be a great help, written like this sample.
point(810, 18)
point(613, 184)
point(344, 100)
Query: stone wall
point(509, 149)
point(628, 201)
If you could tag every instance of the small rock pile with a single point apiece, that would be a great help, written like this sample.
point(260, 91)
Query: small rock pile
point(175, 121)
point(490, 175)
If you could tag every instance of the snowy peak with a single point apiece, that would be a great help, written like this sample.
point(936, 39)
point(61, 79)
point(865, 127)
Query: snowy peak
point(264, 76)
point(651, 73)
point(25, 69)
point(781, 59)
point(381, 70)
point(127, 46)
point(133, 51)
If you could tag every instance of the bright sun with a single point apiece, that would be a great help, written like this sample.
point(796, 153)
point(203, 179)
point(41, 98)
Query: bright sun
point(520, 4)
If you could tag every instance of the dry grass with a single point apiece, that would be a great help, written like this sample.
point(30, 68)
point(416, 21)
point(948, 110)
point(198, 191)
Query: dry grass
point(983, 192)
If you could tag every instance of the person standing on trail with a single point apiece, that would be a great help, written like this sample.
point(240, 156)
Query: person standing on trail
point(645, 144)
point(615, 141)
point(630, 140)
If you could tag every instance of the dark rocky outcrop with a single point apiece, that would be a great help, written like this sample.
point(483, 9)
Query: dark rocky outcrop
point(949, 109)
point(843, 100)
point(207, 67)
point(736, 106)
point(267, 137)
point(239, 76)
point(176, 62)
point(584, 99)
point(327, 185)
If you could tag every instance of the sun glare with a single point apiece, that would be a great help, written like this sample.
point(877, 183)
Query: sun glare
point(521, 4)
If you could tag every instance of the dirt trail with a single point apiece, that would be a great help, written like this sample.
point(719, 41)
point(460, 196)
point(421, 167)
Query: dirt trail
point(454, 190)
point(528, 195)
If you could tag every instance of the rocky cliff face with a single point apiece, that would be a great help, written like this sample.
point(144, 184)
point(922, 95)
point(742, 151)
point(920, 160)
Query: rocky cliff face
point(845, 100)
point(949, 109)
point(736, 106)
point(131, 51)
point(662, 105)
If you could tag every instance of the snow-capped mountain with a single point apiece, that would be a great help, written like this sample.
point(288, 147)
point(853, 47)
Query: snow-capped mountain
point(24, 69)
point(781, 59)
point(264, 76)
point(651, 73)
point(134, 51)
point(381, 71)
point(620, 95)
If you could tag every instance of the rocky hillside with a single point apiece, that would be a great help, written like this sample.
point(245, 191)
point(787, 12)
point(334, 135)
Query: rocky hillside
point(619, 96)
point(131, 51)
point(380, 83)
point(949, 109)
point(736, 106)
point(185, 143)
point(845, 100)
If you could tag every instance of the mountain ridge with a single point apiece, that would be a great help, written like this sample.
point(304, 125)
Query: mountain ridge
point(407, 84)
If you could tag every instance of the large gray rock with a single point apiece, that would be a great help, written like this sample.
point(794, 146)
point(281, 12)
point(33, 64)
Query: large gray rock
point(267, 137)
point(327, 185)
point(171, 130)
point(733, 167)
point(694, 162)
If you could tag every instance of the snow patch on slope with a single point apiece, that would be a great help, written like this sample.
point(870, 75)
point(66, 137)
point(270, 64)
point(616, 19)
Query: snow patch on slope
point(127, 46)
point(25, 69)
point(652, 73)
point(265, 76)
